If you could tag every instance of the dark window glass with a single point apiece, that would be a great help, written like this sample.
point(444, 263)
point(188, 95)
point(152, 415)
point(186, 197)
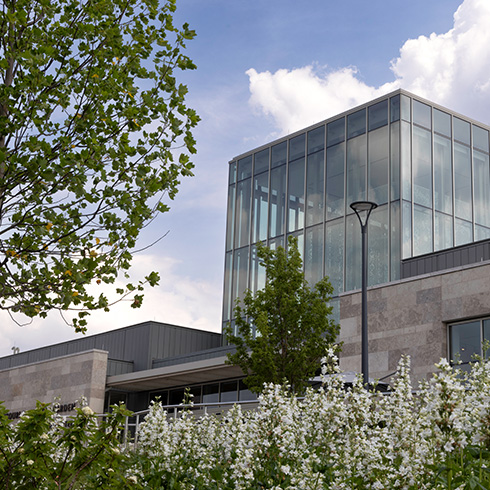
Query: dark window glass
point(486, 334)
point(461, 130)
point(277, 200)
point(356, 123)
point(395, 108)
point(210, 393)
point(480, 138)
point(278, 156)
point(421, 114)
point(245, 393)
point(297, 147)
point(229, 391)
point(335, 132)
point(442, 123)
point(316, 139)
point(378, 115)
point(161, 396)
point(314, 188)
point(176, 397)
point(261, 163)
point(245, 168)
point(464, 341)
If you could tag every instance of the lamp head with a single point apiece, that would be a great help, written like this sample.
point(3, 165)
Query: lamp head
point(363, 210)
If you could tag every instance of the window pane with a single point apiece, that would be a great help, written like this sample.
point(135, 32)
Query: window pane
point(260, 207)
point(421, 114)
point(395, 241)
point(278, 154)
point(229, 391)
point(297, 147)
point(176, 397)
point(232, 173)
point(462, 182)
point(356, 169)
point(296, 195)
point(240, 273)
point(481, 184)
point(486, 334)
point(464, 341)
point(261, 161)
point(422, 169)
point(334, 254)
point(335, 181)
point(245, 168)
point(210, 393)
point(395, 160)
point(378, 246)
point(314, 254)
point(405, 108)
point(378, 115)
point(242, 214)
point(301, 243)
point(227, 299)
point(422, 230)
point(245, 393)
point(352, 253)
point(316, 139)
point(442, 123)
point(463, 232)
point(443, 178)
point(443, 236)
point(314, 188)
point(481, 233)
point(277, 201)
point(378, 166)
point(407, 230)
point(230, 216)
point(356, 124)
point(461, 130)
point(406, 162)
point(257, 271)
point(336, 132)
point(395, 108)
point(480, 138)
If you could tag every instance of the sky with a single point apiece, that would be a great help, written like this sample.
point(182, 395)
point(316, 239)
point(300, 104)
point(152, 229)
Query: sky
point(266, 68)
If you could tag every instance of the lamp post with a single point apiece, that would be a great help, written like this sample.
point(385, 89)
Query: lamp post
point(363, 211)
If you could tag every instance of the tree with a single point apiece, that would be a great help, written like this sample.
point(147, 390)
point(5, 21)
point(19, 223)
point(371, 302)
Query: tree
point(91, 116)
point(292, 324)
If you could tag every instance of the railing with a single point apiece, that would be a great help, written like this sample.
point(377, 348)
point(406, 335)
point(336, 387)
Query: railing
point(130, 432)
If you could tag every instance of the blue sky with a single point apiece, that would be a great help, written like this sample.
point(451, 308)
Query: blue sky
point(266, 68)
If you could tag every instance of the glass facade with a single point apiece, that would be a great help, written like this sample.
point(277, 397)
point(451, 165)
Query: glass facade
point(426, 168)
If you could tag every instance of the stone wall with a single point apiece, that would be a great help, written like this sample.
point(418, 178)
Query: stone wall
point(410, 317)
point(64, 379)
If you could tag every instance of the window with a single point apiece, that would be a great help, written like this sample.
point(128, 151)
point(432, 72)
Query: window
point(465, 340)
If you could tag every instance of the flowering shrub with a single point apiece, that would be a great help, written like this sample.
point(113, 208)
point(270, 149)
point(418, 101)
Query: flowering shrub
point(45, 450)
point(332, 439)
point(438, 438)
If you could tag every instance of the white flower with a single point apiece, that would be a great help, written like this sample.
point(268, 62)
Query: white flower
point(29, 462)
point(87, 411)
point(44, 436)
point(133, 479)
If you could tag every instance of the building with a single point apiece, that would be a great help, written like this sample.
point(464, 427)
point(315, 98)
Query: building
point(428, 170)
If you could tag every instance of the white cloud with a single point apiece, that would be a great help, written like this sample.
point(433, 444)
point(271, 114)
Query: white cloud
point(452, 69)
point(179, 300)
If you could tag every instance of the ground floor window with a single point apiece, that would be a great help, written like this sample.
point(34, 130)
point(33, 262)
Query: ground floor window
point(466, 340)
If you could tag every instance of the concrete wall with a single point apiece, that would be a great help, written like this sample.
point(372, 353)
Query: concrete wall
point(64, 379)
point(411, 317)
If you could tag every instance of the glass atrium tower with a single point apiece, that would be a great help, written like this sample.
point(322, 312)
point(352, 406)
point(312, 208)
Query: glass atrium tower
point(426, 167)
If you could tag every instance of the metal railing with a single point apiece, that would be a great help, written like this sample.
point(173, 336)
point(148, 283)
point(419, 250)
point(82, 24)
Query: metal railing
point(131, 428)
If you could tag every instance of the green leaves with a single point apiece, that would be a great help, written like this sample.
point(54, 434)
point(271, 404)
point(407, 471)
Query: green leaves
point(291, 321)
point(90, 110)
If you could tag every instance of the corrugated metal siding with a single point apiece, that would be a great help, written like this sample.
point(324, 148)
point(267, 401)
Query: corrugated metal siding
point(446, 259)
point(139, 344)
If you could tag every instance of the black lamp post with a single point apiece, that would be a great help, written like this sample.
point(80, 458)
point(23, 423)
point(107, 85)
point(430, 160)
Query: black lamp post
point(363, 211)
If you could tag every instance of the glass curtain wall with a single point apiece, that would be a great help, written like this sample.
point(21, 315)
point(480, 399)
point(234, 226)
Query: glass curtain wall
point(427, 169)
